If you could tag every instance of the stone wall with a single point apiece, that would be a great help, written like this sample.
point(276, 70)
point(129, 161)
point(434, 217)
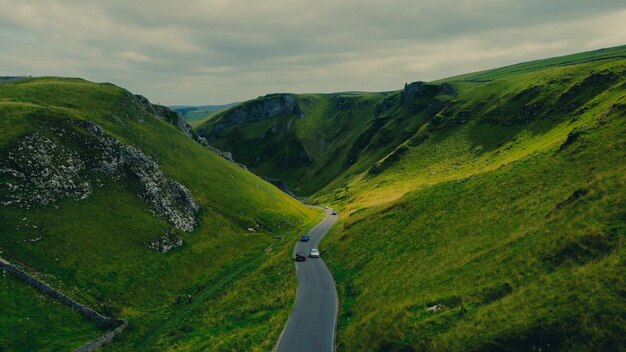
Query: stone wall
point(104, 339)
point(99, 319)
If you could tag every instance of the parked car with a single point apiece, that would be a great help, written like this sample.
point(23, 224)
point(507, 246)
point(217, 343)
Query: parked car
point(305, 238)
point(334, 212)
point(315, 253)
point(300, 257)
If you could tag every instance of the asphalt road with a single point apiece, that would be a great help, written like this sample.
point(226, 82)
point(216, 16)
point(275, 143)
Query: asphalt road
point(311, 327)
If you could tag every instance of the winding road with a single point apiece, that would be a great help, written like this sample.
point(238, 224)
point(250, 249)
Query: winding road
point(311, 327)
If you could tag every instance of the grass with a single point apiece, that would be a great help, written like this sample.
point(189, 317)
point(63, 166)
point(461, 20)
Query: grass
point(507, 208)
point(94, 249)
point(512, 254)
point(224, 314)
point(31, 321)
point(307, 152)
point(498, 195)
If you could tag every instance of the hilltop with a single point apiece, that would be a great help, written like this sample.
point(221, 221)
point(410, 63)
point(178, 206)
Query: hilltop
point(117, 203)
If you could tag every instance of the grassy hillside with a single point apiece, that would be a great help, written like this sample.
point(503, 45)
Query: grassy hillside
point(91, 176)
point(331, 138)
point(498, 195)
point(27, 313)
point(506, 207)
point(327, 135)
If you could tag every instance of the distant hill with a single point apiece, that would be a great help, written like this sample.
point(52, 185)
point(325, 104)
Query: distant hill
point(196, 115)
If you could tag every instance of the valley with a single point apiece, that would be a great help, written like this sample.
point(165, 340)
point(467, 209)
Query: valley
point(495, 196)
point(480, 212)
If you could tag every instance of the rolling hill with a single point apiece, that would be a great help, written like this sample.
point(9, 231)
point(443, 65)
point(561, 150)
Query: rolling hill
point(494, 198)
point(114, 201)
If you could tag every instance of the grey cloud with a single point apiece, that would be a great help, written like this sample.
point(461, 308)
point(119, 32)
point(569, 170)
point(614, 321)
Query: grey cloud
point(215, 51)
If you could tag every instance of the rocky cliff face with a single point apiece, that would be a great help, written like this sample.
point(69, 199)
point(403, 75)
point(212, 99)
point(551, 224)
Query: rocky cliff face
point(259, 109)
point(73, 160)
point(176, 119)
point(416, 91)
point(163, 112)
point(411, 90)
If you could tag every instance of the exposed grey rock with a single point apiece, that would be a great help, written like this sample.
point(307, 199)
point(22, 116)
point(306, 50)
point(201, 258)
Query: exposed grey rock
point(280, 184)
point(411, 90)
point(40, 170)
point(166, 243)
point(165, 113)
point(176, 119)
point(437, 308)
point(226, 155)
point(168, 198)
point(263, 108)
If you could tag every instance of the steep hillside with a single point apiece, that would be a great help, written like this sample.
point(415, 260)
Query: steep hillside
point(506, 208)
point(496, 197)
point(111, 200)
point(504, 116)
point(312, 141)
point(308, 140)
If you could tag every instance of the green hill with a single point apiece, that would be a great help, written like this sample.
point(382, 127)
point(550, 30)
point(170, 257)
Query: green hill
point(96, 185)
point(498, 195)
point(494, 198)
point(506, 207)
point(322, 139)
point(304, 140)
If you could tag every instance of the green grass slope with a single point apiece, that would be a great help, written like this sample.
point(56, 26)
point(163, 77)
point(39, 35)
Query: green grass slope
point(506, 207)
point(30, 321)
point(331, 138)
point(93, 247)
point(327, 135)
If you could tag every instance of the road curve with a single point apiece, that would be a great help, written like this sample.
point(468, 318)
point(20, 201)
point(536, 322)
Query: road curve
point(311, 327)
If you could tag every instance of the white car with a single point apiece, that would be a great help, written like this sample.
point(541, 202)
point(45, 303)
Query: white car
point(315, 253)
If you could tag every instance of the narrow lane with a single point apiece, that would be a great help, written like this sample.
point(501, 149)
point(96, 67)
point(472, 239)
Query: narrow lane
point(311, 327)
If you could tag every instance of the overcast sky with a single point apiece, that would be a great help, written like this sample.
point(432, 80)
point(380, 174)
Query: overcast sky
point(219, 51)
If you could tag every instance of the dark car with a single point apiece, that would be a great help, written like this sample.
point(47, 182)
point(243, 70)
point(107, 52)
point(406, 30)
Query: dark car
point(334, 212)
point(305, 238)
point(300, 257)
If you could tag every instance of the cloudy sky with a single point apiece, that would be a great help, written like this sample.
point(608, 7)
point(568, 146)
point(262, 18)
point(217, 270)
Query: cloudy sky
point(219, 51)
